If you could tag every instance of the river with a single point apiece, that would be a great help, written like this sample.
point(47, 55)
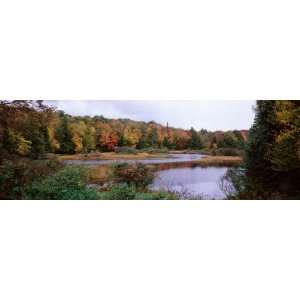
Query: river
point(191, 181)
point(179, 173)
point(174, 158)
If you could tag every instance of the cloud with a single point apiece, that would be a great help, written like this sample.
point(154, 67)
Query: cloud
point(212, 115)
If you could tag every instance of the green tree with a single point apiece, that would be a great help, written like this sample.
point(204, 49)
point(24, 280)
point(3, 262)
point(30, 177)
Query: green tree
point(272, 153)
point(240, 142)
point(166, 143)
point(142, 143)
point(195, 141)
point(88, 141)
point(153, 137)
point(64, 136)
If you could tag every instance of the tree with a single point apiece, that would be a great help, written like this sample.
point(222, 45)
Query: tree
point(195, 141)
point(107, 138)
point(142, 142)
point(64, 136)
point(272, 160)
point(153, 137)
point(88, 141)
point(15, 143)
point(239, 139)
point(166, 143)
point(25, 128)
point(230, 140)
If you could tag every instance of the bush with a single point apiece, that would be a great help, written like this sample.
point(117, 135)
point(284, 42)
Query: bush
point(235, 184)
point(155, 150)
point(136, 174)
point(16, 175)
point(67, 184)
point(227, 152)
point(124, 191)
point(121, 191)
point(126, 150)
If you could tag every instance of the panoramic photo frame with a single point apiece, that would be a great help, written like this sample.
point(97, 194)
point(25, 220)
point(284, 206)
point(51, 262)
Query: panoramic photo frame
point(126, 150)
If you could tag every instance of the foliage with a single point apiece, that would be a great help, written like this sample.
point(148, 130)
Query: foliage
point(126, 150)
point(138, 175)
point(15, 175)
point(31, 128)
point(67, 184)
point(153, 137)
point(64, 136)
point(24, 128)
point(16, 143)
point(195, 142)
point(272, 160)
point(155, 150)
point(227, 152)
point(124, 191)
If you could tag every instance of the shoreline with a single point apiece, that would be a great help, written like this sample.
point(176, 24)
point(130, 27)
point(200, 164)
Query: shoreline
point(100, 173)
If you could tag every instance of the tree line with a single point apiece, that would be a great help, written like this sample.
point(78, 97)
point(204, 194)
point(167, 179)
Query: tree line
point(31, 128)
point(272, 154)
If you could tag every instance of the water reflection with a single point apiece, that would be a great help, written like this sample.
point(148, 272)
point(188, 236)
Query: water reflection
point(180, 172)
point(192, 179)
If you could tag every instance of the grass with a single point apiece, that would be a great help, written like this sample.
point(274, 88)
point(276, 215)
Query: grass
point(113, 156)
point(99, 174)
point(220, 161)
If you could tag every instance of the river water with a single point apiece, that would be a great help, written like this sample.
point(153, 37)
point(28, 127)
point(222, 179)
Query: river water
point(179, 173)
point(174, 158)
point(203, 181)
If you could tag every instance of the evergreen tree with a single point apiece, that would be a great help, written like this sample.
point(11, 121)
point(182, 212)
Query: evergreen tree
point(142, 143)
point(64, 136)
point(153, 137)
point(272, 160)
point(240, 142)
point(166, 143)
point(195, 141)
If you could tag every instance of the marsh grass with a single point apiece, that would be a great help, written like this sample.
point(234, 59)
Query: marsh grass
point(113, 156)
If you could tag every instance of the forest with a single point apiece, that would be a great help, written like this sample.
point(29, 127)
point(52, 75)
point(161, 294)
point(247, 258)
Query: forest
point(31, 131)
point(271, 168)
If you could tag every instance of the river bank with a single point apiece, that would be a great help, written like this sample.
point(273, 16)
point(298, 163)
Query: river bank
point(100, 173)
point(113, 156)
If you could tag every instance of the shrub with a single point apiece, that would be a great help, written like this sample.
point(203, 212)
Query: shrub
point(122, 191)
point(227, 152)
point(16, 175)
point(136, 174)
point(235, 184)
point(67, 184)
point(155, 150)
point(126, 150)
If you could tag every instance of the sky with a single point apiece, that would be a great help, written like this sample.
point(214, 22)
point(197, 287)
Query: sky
point(211, 115)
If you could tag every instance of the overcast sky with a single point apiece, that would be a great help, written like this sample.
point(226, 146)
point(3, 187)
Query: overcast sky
point(211, 115)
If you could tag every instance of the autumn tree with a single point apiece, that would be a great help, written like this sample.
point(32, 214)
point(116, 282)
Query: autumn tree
point(25, 128)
